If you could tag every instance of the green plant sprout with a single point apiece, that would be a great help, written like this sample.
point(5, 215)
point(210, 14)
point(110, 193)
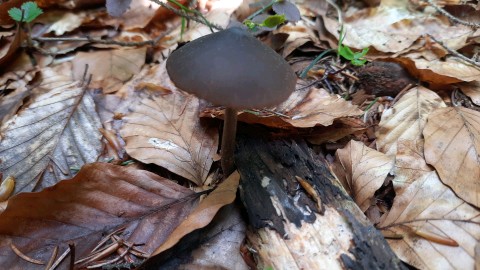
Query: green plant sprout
point(270, 22)
point(28, 12)
point(356, 58)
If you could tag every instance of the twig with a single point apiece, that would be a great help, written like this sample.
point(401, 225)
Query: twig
point(52, 258)
point(260, 10)
point(111, 261)
point(450, 16)
point(106, 238)
point(71, 245)
point(60, 259)
point(183, 14)
point(455, 53)
point(100, 41)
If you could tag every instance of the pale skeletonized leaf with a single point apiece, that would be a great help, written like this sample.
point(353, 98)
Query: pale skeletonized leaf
point(55, 133)
point(452, 146)
point(109, 69)
point(165, 129)
point(406, 119)
point(100, 199)
point(432, 207)
point(362, 171)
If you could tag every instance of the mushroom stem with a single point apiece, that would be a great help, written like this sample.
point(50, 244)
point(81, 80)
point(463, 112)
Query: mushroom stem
point(228, 141)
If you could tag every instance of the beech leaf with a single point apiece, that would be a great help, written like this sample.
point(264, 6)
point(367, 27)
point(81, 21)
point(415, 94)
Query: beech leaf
point(224, 194)
point(55, 133)
point(406, 119)
point(362, 171)
point(100, 199)
point(452, 146)
point(110, 69)
point(165, 129)
point(431, 207)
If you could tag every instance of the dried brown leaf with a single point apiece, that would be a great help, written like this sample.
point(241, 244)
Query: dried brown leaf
point(17, 84)
point(63, 22)
point(362, 171)
point(447, 70)
point(111, 68)
point(7, 54)
point(452, 146)
point(406, 119)
point(165, 129)
point(98, 200)
point(225, 239)
point(394, 28)
point(432, 207)
point(302, 109)
point(202, 215)
point(55, 133)
point(472, 90)
point(410, 164)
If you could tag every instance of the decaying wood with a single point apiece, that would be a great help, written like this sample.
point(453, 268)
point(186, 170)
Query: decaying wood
point(290, 231)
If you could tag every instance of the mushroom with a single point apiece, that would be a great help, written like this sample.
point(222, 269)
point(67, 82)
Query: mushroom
point(233, 69)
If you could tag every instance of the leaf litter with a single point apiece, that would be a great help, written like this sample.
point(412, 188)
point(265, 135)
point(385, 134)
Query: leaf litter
point(412, 167)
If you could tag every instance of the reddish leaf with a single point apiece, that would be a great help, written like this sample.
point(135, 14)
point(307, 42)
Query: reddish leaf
point(101, 198)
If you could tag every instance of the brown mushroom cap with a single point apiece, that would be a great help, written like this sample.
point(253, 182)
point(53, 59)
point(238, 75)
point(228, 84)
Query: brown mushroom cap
point(233, 69)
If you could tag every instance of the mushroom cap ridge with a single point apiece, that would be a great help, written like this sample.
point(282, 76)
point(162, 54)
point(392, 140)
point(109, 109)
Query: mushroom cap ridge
point(232, 68)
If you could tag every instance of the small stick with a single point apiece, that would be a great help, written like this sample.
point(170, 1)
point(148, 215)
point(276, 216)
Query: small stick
point(106, 238)
point(23, 256)
point(71, 245)
point(60, 259)
point(450, 16)
point(52, 258)
point(110, 261)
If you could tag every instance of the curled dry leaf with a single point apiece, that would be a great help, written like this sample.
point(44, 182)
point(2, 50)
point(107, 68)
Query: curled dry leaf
point(432, 208)
point(362, 171)
point(406, 119)
point(452, 146)
point(56, 132)
point(98, 200)
point(446, 71)
point(165, 129)
point(111, 68)
point(17, 84)
point(202, 215)
point(302, 109)
point(7, 54)
point(472, 90)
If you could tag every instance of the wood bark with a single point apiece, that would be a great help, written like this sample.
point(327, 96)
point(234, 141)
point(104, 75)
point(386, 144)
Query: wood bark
point(291, 229)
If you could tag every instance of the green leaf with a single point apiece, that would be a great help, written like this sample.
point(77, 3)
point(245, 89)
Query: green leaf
point(358, 62)
point(250, 25)
point(273, 21)
point(15, 14)
point(346, 52)
point(30, 12)
point(363, 52)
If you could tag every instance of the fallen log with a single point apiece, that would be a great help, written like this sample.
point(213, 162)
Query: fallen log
point(300, 215)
